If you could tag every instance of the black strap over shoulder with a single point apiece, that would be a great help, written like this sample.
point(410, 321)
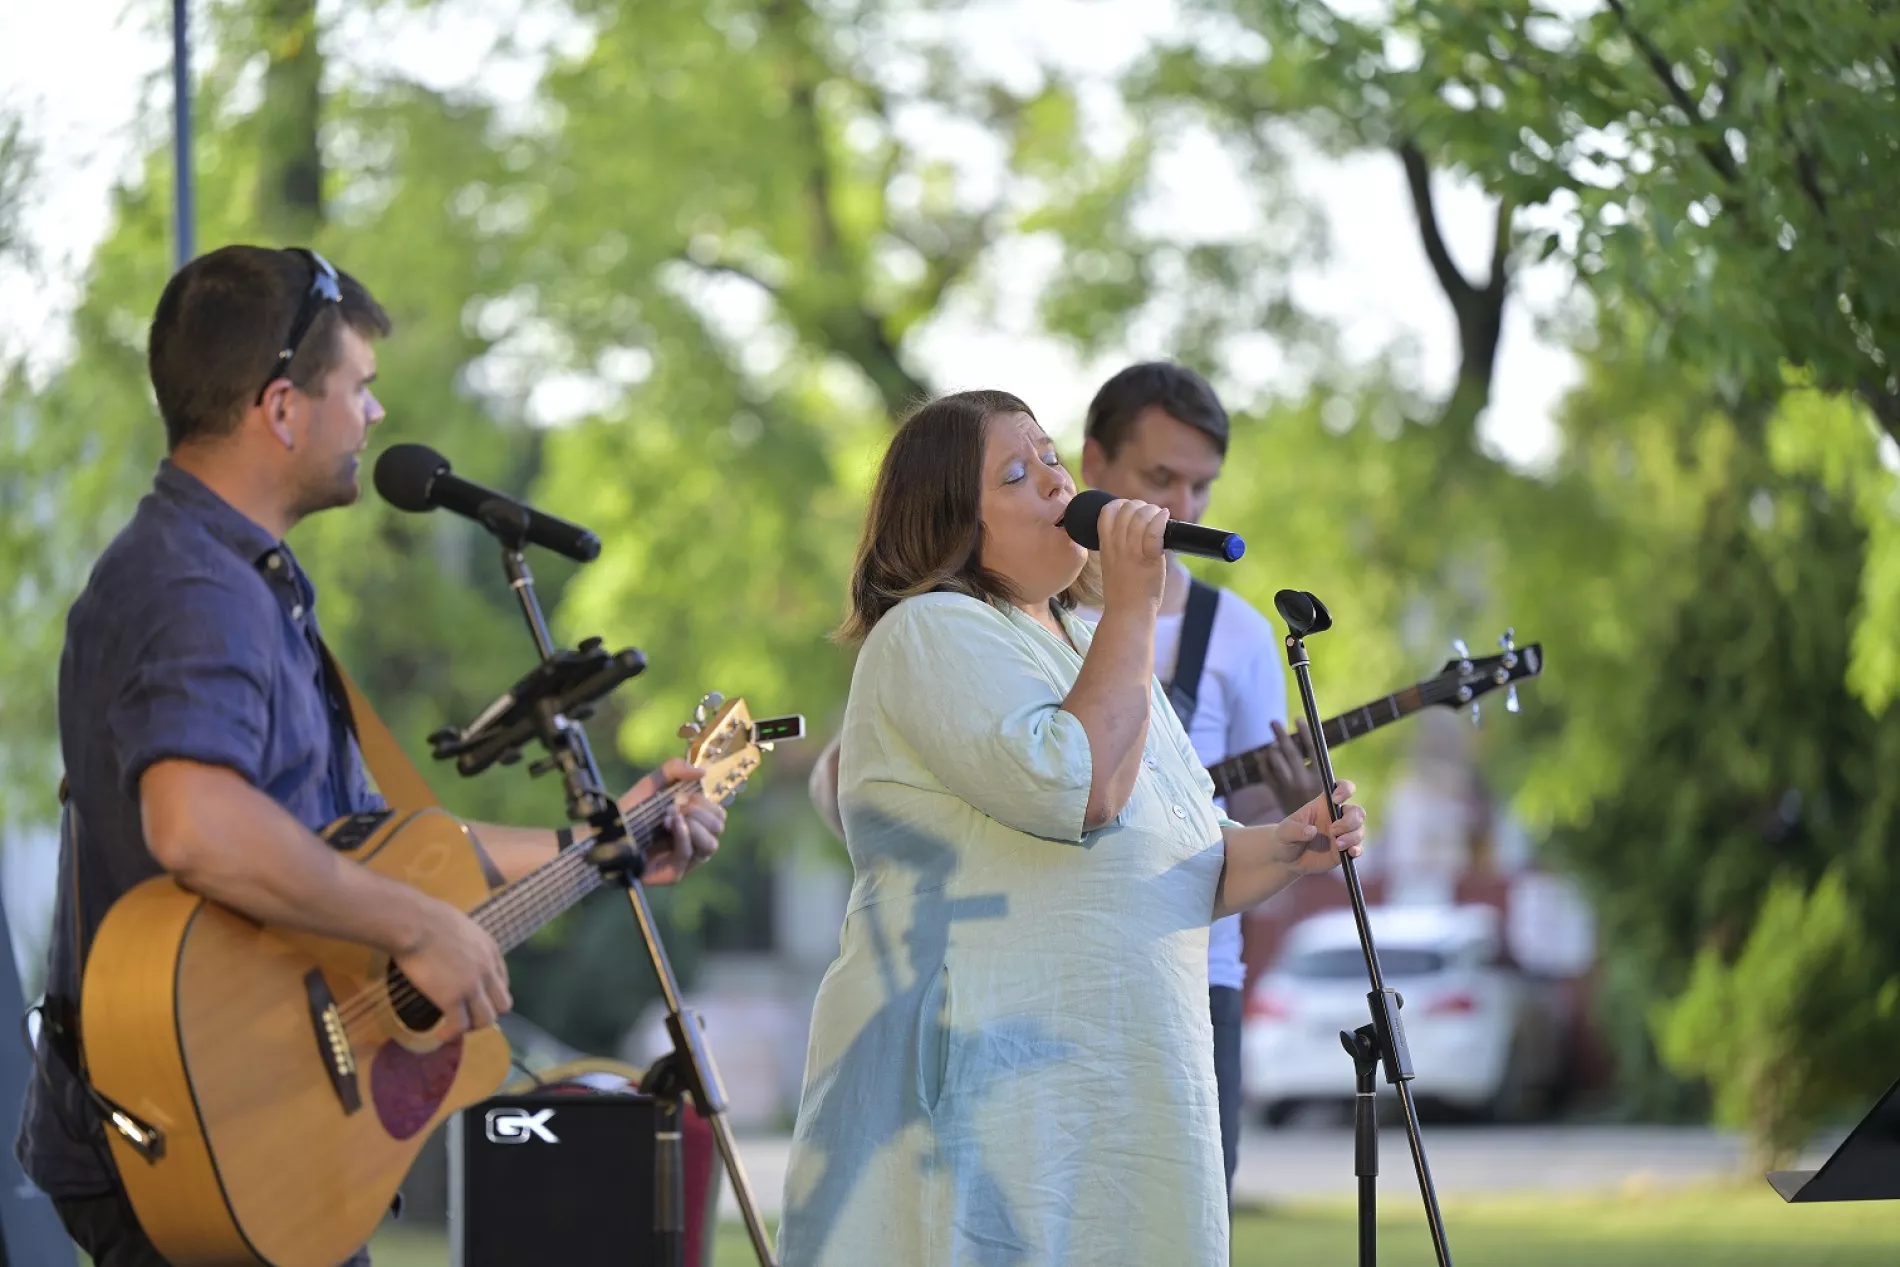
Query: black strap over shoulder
point(1197, 626)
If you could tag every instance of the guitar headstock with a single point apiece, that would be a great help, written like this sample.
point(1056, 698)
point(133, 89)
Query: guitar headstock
point(724, 741)
point(1466, 678)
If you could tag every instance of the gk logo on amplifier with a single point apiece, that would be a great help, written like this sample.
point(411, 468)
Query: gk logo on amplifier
point(518, 1126)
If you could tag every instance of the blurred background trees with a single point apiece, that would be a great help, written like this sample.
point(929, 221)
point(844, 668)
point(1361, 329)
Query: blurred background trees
point(683, 291)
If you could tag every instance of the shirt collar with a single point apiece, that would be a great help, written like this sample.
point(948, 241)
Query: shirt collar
point(245, 537)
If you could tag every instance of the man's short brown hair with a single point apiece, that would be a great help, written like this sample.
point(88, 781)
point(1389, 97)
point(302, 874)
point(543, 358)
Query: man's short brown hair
point(222, 321)
point(1174, 389)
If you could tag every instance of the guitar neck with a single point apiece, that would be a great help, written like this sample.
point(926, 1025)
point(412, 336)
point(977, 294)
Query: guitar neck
point(523, 908)
point(1244, 769)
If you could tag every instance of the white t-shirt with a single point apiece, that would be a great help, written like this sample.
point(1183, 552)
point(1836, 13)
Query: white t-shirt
point(1242, 693)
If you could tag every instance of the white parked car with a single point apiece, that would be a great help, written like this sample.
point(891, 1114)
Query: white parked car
point(1482, 1034)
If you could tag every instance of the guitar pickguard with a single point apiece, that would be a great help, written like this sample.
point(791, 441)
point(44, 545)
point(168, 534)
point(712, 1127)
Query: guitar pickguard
point(408, 1087)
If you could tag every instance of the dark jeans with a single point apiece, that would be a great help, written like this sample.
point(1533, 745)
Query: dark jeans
point(1223, 1005)
point(109, 1232)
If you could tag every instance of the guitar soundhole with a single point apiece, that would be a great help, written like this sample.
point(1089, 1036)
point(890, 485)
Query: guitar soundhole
point(415, 1011)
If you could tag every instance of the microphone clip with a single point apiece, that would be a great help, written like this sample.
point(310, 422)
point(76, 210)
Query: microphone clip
point(544, 704)
point(506, 521)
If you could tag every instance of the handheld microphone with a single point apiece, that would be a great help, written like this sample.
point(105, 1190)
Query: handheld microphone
point(416, 478)
point(1079, 521)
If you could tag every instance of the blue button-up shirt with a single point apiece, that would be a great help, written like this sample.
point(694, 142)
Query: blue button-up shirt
point(196, 637)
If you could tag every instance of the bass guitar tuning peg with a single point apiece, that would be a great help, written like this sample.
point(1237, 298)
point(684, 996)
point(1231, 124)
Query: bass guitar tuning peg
point(1509, 643)
point(1510, 699)
point(1458, 645)
point(1476, 718)
point(688, 731)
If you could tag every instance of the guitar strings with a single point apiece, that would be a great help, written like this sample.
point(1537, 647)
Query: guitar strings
point(519, 904)
point(520, 900)
point(563, 882)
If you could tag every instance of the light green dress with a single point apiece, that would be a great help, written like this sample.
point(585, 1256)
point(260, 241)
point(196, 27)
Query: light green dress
point(1011, 1059)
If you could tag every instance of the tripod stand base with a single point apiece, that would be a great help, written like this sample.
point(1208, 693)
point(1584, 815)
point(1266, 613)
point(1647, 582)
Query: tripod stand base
point(1866, 1167)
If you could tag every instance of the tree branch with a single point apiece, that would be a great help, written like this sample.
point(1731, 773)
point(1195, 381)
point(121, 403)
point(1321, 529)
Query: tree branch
point(1717, 157)
point(1885, 406)
point(846, 323)
point(1418, 178)
point(1501, 247)
point(1478, 311)
point(730, 270)
point(1807, 170)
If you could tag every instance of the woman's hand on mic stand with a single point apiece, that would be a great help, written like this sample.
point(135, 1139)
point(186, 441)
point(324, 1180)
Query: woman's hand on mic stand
point(1263, 860)
point(1308, 840)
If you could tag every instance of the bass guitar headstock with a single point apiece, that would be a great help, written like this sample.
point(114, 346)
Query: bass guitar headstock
point(724, 741)
point(1463, 680)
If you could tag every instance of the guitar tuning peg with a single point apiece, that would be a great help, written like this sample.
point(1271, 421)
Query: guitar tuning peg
point(1458, 645)
point(688, 731)
point(1509, 641)
point(1476, 719)
point(1510, 699)
point(713, 702)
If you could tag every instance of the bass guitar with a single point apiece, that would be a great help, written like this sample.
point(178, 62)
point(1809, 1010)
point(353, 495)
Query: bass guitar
point(269, 1089)
point(1460, 682)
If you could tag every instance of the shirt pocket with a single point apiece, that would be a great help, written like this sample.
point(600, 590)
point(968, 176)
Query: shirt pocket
point(932, 1050)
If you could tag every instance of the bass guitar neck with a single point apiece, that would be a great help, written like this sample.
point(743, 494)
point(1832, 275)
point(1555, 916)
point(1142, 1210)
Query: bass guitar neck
point(1461, 682)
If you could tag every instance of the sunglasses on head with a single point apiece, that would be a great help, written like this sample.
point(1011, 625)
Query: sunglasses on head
point(324, 289)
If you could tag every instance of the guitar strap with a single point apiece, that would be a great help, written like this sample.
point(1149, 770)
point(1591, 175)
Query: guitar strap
point(395, 775)
point(1197, 627)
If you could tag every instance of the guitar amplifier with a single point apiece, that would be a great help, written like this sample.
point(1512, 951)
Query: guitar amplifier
point(556, 1177)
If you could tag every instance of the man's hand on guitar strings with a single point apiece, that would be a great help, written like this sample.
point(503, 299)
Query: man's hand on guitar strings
point(694, 824)
point(456, 964)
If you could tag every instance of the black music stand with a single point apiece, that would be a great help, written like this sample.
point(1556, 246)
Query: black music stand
point(1866, 1167)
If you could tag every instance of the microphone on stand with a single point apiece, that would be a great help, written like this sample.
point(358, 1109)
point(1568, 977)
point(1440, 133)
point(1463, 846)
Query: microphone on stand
point(1183, 538)
point(416, 478)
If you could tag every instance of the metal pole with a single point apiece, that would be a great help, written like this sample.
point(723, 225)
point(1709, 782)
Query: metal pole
point(181, 138)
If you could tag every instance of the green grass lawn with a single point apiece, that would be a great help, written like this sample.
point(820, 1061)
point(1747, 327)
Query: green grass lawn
point(1745, 1226)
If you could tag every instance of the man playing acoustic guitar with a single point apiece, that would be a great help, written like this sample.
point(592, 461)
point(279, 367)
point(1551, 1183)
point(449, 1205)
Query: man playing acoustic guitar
point(204, 729)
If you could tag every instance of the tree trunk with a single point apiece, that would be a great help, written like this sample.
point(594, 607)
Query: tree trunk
point(290, 184)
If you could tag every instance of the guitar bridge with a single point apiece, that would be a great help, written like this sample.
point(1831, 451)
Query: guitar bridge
point(333, 1041)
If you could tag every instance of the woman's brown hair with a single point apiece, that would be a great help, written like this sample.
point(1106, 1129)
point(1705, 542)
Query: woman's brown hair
point(924, 528)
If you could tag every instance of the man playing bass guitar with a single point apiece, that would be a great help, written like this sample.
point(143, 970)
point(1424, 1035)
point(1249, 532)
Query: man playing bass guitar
point(204, 728)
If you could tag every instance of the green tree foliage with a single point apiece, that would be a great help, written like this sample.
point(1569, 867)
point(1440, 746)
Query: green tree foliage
point(761, 234)
point(1721, 169)
point(1726, 167)
point(1798, 1027)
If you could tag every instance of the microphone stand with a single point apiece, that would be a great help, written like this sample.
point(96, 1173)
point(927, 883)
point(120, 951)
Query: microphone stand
point(1383, 1041)
point(688, 1069)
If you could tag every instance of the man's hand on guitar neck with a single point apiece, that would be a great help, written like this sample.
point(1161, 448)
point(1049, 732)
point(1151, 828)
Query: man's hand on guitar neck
point(694, 822)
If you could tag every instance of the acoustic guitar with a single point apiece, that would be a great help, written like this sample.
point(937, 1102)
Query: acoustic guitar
point(1460, 682)
point(276, 1086)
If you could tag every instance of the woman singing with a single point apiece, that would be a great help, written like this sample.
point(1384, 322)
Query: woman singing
point(1011, 1060)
